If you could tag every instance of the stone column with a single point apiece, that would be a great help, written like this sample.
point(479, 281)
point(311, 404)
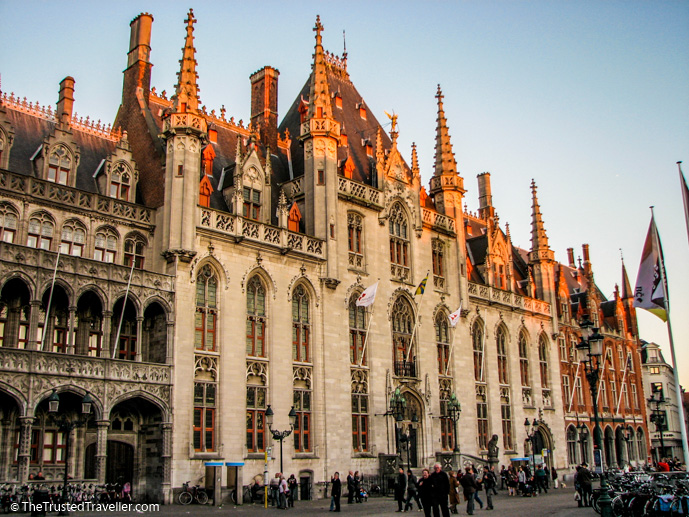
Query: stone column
point(107, 327)
point(33, 343)
point(6, 448)
point(101, 449)
point(139, 338)
point(24, 456)
point(170, 340)
point(166, 457)
point(71, 347)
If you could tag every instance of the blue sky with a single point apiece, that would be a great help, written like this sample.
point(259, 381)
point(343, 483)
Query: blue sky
point(589, 98)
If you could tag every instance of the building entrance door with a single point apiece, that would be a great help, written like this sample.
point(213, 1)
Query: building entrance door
point(119, 466)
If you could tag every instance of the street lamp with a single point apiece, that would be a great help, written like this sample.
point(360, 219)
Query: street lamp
point(281, 435)
point(405, 439)
point(589, 351)
point(66, 424)
point(658, 418)
point(397, 408)
point(531, 430)
point(454, 409)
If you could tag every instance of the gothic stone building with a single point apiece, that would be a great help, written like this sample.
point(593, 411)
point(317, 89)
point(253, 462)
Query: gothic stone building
point(189, 271)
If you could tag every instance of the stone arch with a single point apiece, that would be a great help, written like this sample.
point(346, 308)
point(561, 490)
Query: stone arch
point(154, 333)
point(265, 276)
point(97, 408)
point(218, 267)
point(415, 408)
point(29, 282)
point(132, 298)
point(397, 293)
point(89, 323)
point(44, 289)
point(15, 394)
point(160, 301)
point(149, 397)
point(354, 289)
point(96, 290)
point(308, 285)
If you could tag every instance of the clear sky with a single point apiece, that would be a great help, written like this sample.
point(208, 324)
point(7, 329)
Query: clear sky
point(589, 98)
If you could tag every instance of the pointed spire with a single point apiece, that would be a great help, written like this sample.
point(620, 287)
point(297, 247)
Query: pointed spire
point(539, 240)
point(626, 286)
point(319, 96)
point(444, 157)
point(414, 160)
point(380, 154)
point(186, 97)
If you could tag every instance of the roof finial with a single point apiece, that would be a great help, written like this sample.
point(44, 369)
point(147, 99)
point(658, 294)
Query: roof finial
point(319, 96)
point(539, 239)
point(414, 160)
point(626, 286)
point(186, 97)
point(444, 157)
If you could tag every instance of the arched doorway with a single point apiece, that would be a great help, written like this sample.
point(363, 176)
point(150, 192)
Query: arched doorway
point(408, 432)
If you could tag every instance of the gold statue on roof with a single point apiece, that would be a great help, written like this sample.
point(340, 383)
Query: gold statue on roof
point(393, 119)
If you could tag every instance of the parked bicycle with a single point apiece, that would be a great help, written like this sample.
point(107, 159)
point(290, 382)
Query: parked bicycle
point(195, 493)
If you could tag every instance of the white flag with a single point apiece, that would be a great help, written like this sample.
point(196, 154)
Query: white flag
point(650, 292)
point(454, 317)
point(368, 296)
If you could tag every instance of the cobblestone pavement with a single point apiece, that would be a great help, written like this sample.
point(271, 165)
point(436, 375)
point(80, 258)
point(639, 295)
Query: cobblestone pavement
point(558, 503)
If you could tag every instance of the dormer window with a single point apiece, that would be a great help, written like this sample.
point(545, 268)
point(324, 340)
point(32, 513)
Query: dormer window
point(343, 139)
point(303, 110)
point(120, 182)
point(369, 148)
point(213, 136)
point(59, 165)
point(362, 110)
point(338, 100)
point(252, 203)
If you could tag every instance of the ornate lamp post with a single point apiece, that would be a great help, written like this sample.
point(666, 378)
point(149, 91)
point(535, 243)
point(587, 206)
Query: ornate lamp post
point(454, 409)
point(397, 407)
point(531, 430)
point(281, 435)
point(66, 424)
point(658, 418)
point(590, 350)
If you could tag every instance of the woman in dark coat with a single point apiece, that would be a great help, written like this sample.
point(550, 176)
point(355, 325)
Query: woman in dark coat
point(426, 492)
point(336, 491)
point(400, 488)
point(454, 495)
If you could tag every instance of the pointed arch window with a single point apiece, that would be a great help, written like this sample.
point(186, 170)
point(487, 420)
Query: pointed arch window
point(120, 181)
point(105, 246)
point(205, 392)
point(73, 239)
point(255, 318)
point(8, 223)
point(360, 410)
point(206, 318)
point(301, 325)
point(402, 328)
point(59, 165)
point(543, 362)
point(477, 344)
point(134, 249)
point(357, 331)
point(302, 402)
point(41, 229)
point(524, 360)
point(501, 341)
point(442, 339)
point(572, 445)
point(355, 229)
point(399, 243)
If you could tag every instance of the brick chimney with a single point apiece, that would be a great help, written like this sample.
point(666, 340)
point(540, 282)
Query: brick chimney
point(138, 57)
point(264, 105)
point(570, 257)
point(65, 102)
point(485, 197)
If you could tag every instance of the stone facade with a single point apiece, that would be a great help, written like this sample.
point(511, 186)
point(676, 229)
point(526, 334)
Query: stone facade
point(240, 261)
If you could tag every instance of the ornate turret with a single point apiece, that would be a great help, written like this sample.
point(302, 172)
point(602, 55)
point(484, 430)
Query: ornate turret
point(186, 97)
point(540, 249)
point(447, 186)
point(319, 93)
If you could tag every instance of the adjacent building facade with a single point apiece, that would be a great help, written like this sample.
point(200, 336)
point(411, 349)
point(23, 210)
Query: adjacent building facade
point(189, 271)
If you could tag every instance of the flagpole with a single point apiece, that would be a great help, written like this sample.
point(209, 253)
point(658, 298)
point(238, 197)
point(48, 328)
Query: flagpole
point(483, 353)
point(116, 346)
point(452, 347)
point(368, 327)
point(416, 323)
point(600, 384)
point(678, 390)
point(624, 376)
point(46, 323)
point(574, 388)
point(685, 195)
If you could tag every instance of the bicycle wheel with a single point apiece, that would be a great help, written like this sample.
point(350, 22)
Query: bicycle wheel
point(617, 506)
point(184, 498)
point(201, 497)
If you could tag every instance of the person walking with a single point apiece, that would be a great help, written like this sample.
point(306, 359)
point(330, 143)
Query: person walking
point(400, 488)
point(441, 491)
point(521, 479)
point(357, 487)
point(412, 491)
point(282, 490)
point(503, 478)
point(489, 483)
point(426, 492)
point(479, 485)
point(454, 494)
point(553, 474)
point(335, 492)
point(547, 475)
point(584, 479)
point(292, 486)
point(494, 480)
point(274, 489)
point(468, 482)
point(350, 487)
point(540, 479)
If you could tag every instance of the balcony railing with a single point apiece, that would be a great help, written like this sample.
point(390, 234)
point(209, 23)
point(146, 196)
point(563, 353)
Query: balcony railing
point(516, 301)
point(405, 368)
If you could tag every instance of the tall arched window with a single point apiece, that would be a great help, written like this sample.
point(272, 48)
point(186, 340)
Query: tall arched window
point(73, 239)
point(59, 165)
point(399, 243)
point(8, 222)
point(301, 325)
point(477, 342)
point(206, 309)
point(442, 339)
point(572, 445)
point(302, 397)
point(255, 318)
point(524, 359)
point(641, 442)
point(134, 249)
point(357, 331)
point(501, 342)
point(355, 228)
point(543, 362)
point(41, 229)
point(106, 245)
point(402, 328)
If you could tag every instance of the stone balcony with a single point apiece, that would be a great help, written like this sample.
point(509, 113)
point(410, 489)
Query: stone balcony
point(515, 301)
point(241, 228)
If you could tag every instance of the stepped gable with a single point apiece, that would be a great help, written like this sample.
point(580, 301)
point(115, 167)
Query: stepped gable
point(33, 124)
point(357, 129)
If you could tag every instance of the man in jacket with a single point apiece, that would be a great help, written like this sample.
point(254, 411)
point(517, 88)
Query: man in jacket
point(400, 488)
point(489, 483)
point(469, 486)
point(584, 480)
point(441, 491)
point(412, 491)
point(350, 488)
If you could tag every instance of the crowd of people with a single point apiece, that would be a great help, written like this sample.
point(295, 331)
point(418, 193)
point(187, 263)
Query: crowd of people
point(521, 481)
point(282, 491)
